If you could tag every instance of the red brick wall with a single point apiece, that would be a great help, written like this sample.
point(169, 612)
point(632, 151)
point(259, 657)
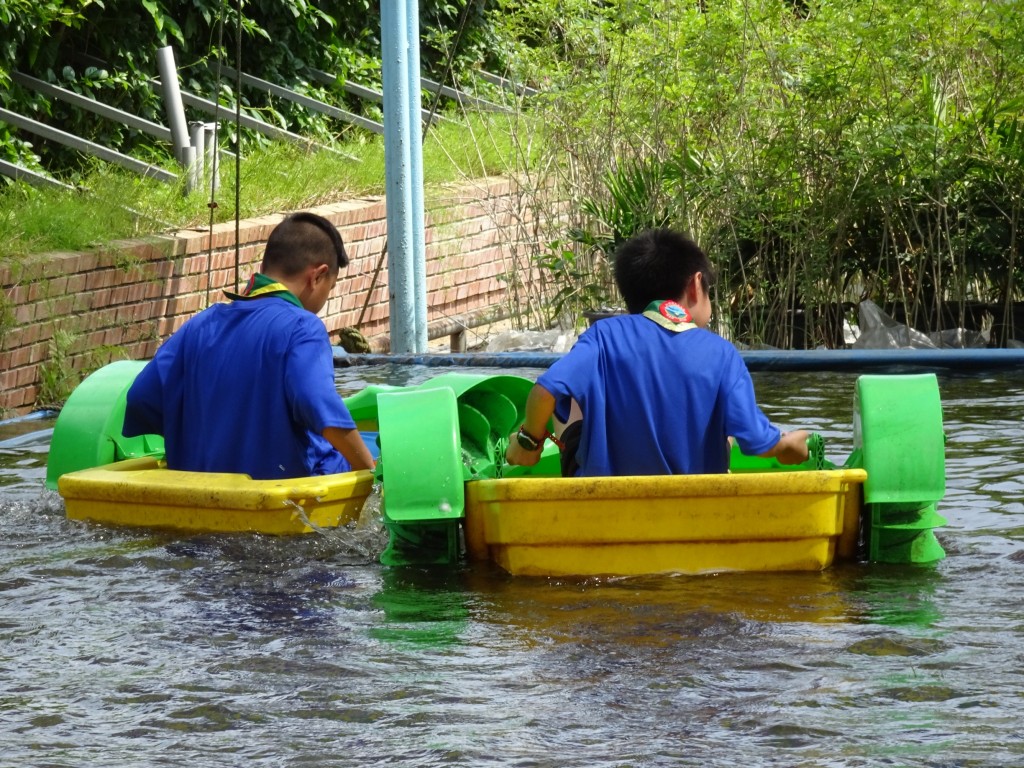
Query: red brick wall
point(121, 301)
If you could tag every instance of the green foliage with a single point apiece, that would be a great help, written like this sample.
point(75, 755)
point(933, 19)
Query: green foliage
point(481, 144)
point(7, 318)
point(107, 49)
point(637, 197)
point(825, 152)
point(822, 152)
point(580, 282)
point(57, 377)
point(59, 374)
point(634, 197)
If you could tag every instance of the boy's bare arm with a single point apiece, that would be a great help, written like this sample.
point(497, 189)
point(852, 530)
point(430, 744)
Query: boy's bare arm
point(350, 444)
point(791, 448)
point(540, 405)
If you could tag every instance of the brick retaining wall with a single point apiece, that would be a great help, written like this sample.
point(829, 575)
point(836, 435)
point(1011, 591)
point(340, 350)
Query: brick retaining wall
point(76, 311)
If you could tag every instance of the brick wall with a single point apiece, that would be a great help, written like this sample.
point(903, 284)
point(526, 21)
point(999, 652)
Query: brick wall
point(75, 311)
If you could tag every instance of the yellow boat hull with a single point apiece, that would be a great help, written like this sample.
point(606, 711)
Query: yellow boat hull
point(689, 524)
point(144, 493)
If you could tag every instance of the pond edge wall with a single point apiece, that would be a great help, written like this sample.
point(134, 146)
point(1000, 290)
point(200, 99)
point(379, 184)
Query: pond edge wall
point(63, 313)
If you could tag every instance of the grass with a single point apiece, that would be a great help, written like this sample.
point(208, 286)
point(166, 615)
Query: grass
point(112, 203)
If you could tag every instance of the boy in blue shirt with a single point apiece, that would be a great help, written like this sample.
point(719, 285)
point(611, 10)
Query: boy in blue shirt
point(248, 386)
point(652, 392)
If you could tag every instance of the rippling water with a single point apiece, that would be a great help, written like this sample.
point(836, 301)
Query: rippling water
point(133, 649)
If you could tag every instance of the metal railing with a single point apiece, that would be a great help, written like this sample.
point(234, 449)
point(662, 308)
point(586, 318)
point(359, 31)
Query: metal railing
point(84, 145)
point(193, 144)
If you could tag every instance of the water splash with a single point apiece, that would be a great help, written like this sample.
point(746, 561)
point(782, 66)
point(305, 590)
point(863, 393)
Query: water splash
point(365, 537)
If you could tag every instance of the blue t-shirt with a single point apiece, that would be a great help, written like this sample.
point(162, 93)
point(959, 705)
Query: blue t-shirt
point(243, 387)
point(656, 401)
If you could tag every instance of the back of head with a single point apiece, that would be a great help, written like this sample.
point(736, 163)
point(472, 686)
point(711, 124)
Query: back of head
point(656, 265)
point(301, 240)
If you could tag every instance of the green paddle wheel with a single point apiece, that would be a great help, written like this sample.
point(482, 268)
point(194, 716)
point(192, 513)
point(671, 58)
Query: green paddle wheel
point(898, 438)
point(88, 429)
point(434, 438)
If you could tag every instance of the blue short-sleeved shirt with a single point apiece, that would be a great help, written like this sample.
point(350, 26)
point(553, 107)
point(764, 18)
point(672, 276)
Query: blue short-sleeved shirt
point(243, 387)
point(656, 401)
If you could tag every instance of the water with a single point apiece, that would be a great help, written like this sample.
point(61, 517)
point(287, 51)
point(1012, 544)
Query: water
point(122, 648)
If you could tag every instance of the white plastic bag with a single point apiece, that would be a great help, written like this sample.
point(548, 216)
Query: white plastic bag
point(879, 331)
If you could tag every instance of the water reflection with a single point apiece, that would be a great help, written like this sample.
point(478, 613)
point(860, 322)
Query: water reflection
point(896, 595)
point(422, 606)
point(565, 609)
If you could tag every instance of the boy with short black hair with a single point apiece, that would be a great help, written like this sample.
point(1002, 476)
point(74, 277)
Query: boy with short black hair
point(249, 386)
point(653, 392)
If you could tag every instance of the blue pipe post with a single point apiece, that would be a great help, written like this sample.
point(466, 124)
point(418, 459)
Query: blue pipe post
point(402, 214)
point(416, 130)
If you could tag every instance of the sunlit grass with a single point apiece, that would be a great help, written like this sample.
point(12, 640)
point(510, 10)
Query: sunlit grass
point(113, 204)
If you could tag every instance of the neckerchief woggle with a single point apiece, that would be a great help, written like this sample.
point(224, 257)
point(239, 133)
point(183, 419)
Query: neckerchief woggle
point(670, 314)
point(260, 285)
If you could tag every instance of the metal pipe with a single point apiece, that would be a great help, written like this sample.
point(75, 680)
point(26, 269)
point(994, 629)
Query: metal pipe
point(213, 156)
point(415, 129)
point(306, 101)
point(463, 98)
point(193, 176)
point(172, 100)
point(362, 92)
point(398, 176)
point(212, 108)
point(45, 413)
point(197, 168)
point(16, 172)
point(846, 360)
point(85, 102)
point(84, 145)
point(508, 85)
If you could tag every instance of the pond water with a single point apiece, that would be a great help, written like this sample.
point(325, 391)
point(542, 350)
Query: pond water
point(122, 648)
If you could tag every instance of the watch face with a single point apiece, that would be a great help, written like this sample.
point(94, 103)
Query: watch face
point(527, 442)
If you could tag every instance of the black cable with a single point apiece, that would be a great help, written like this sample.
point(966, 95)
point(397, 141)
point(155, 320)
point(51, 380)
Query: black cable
point(238, 140)
point(212, 205)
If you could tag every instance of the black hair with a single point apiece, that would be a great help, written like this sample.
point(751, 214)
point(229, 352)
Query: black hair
point(658, 264)
point(303, 239)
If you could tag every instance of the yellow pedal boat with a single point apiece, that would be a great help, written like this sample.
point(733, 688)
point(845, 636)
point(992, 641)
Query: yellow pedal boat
point(448, 497)
point(759, 517)
point(143, 493)
point(627, 526)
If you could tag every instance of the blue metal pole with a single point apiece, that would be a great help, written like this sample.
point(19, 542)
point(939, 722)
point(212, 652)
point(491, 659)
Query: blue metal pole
point(416, 168)
point(398, 175)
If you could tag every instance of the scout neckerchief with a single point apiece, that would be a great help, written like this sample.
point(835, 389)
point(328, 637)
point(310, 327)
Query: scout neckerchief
point(670, 314)
point(260, 285)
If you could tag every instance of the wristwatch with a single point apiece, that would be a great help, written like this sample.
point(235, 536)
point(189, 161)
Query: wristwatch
point(527, 441)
